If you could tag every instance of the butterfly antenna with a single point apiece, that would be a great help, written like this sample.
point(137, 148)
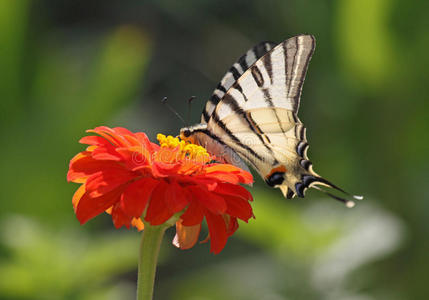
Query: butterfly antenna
point(189, 109)
point(164, 101)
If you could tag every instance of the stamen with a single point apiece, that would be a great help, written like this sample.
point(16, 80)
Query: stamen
point(185, 149)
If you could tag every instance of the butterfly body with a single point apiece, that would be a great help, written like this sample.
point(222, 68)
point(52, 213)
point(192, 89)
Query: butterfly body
point(251, 117)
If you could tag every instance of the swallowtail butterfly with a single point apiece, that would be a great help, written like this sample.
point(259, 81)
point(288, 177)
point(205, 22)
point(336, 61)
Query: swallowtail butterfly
point(251, 117)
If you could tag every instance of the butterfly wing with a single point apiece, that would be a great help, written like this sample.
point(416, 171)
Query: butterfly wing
point(217, 148)
point(235, 72)
point(257, 116)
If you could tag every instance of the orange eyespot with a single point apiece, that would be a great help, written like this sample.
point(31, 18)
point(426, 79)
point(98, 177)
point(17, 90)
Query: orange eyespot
point(276, 176)
point(280, 169)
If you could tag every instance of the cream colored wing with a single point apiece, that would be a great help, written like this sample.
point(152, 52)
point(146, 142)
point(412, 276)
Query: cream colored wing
point(235, 72)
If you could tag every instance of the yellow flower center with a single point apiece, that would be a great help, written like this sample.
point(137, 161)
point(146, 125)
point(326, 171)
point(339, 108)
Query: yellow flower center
point(185, 148)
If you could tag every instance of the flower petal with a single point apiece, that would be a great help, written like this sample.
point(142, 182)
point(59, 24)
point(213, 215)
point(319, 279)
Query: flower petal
point(162, 169)
point(119, 217)
point(106, 153)
point(78, 195)
point(135, 156)
point(111, 135)
point(237, 207)
point(107, 180)
point(211, 201)
point(232, 224)
point(137, 223)
point(193, 215)
point(157, 211)
point(233, 190)
point(136, 195)
point(224, 177)
point(144, 140)
point(89, 207)
point(95, 140)
point(217, 232)
point(217, 170)
point(186, 236)
point(122, 131)
point(103, 149)
point(176, 197)
point(83, 165)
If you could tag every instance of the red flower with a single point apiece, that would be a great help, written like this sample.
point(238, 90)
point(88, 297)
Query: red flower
point(132, 179)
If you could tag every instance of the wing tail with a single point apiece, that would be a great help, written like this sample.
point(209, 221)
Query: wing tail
point(316, 182)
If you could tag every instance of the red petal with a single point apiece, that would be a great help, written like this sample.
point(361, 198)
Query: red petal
point(83, 166)
point(216, 170)
point(232, 225)
point(217, 231)
point(157, 211)
point(233, 190)
point(136, 195)
point(78, 195)
point(89, 207)
point(206, 183)
point(106, 153)
point(143, 139)
point(224, 177)
point(193, 214)
point(225, 168)
point(176, 197)
point(122, 131)
point(238, 207)
point(209, 200)
point(95, 141)
point(107, 180)
point(135, 156)
point(186, 236)
point(104, 132)
point(111, 135)
point(119, 217)
point(161, 169)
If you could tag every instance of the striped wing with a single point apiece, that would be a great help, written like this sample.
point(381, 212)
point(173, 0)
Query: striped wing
point(235, 72)
point(256, 117)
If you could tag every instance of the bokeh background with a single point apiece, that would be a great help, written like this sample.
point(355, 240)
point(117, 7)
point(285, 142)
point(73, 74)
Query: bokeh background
point(66, 66)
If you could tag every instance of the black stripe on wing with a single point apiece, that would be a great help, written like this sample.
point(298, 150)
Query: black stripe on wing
point(237, 69)
point(236, 140)
point(299, 49)
point(304, 69)
point(308, 179)
point(220, 141)
point(251, 124)
point(269, 101)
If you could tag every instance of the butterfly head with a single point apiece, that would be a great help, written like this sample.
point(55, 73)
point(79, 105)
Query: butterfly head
point(189, 134)
point(185, 133)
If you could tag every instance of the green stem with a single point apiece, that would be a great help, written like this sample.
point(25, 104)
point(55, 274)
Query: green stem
point(149, 249)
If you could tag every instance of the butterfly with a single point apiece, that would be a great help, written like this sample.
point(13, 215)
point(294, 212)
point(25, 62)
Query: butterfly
point(251, 118)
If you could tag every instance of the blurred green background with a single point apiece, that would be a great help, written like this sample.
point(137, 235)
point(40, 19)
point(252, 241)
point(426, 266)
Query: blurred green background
point(67, 66)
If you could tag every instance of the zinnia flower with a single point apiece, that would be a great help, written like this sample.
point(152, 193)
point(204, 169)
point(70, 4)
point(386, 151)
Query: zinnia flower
point(136, 181)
